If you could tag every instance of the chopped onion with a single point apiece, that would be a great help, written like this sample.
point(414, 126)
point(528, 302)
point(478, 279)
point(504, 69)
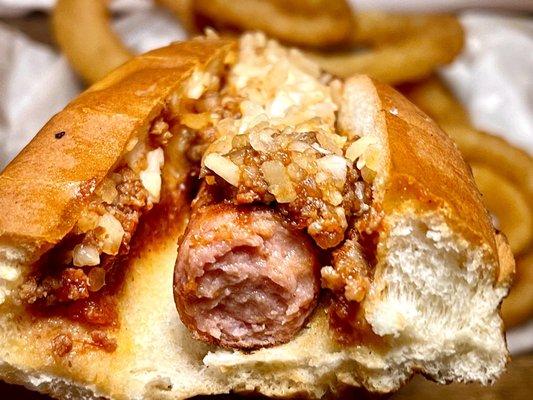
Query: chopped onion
point(261, 140)
point(358, 147)
point(368, 174)
point(251, 109)
point(197, 84)
point(225, 126)
point(113, 233)
point(335, 198)
point(298, 146)
point(196, 121)
point(223, 167)
point(372, 158)
point(85, 255)
point(335, 166)
point(331, 142)
point(135, 156)
point(320, 149)
point(88, 221)
point(9, 273)
point(151, 176)
point(108, 191)
point(279, 181)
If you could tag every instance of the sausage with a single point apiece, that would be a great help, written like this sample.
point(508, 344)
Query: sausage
point(243, 278)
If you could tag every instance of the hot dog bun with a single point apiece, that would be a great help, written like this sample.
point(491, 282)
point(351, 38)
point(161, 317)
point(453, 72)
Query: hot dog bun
point(440, 276)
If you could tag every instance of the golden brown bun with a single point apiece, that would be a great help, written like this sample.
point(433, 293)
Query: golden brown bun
point(43, 192)
point(440, 276)
point(27, 353)
point(435, 294)
point(425, 166)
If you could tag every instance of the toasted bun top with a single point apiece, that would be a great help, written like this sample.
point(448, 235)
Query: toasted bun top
point(422, 168)
point(43, 192)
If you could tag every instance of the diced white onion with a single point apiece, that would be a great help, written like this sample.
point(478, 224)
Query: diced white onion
point(9, 273)
point(88, 221)
point(279, 182)
point(135, 156)
point(108, 191)
point(85, 255)
point(262, 141)
point(223, 167)
point(151, 176)
point(113, 234)
point(198, 83)
point(358, 147)
point(333, 165)
point(96, 279)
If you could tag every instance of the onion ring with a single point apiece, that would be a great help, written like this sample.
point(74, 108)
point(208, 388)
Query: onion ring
point(316, 23)
point(418, 49)
point(508, 185)
point(481, 147)
point(434, 98)
point(376, 28)
point(518, 306)
point(82, 30)
point(183, 10)
point(405, 47)
point(509, 206)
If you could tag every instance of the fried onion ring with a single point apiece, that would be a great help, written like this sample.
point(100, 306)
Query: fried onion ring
point(504, 172)
point(518, 306)
point(405, 49)
point(183, 10)
point(313, 23)
point(511, 162)
point(434, 98)
point(508, 205)
point(82, 30)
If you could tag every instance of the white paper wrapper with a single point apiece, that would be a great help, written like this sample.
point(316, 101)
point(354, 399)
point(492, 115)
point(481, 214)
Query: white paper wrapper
point(492, 77)
point(35, 84)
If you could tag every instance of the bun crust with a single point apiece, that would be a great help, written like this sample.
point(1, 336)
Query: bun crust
point(422, 168)
point(433, 222)
point(426, 167)
point(43, 192)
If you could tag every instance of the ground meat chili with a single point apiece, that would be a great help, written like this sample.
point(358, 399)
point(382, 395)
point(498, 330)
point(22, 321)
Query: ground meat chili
point(58, 281)
point(56, 290)
point(86, 292)
point(286, 150)
point(80, 277)
point(259, 141)
point(348, 280)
